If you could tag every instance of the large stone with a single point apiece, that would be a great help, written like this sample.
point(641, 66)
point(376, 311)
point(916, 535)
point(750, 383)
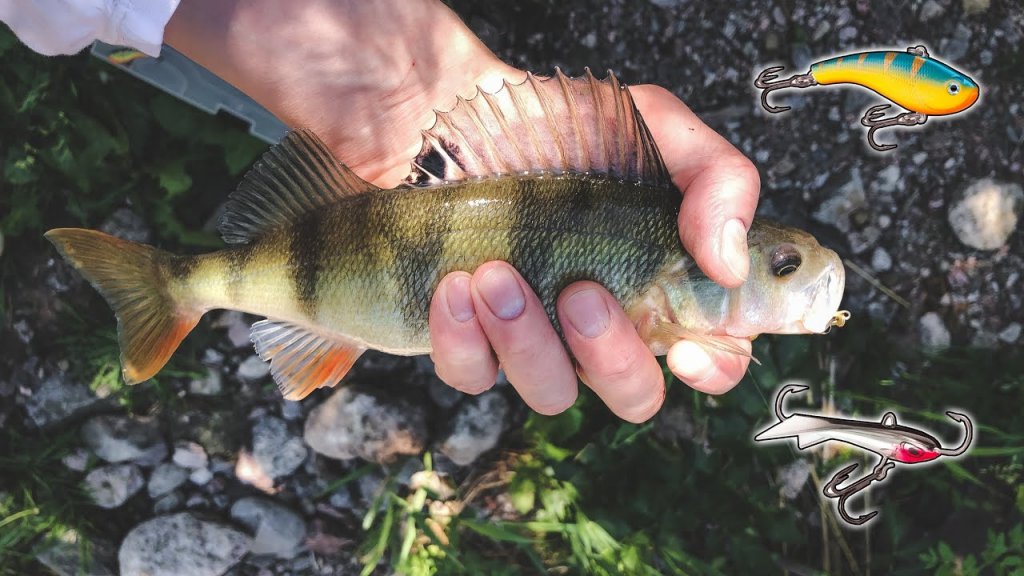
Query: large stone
point(987, 212)
point(122, 439)
point(353, 424)
point(278, 530)
point(476, 427)
point(110, 486)
point(181, 544)
point(58, 399)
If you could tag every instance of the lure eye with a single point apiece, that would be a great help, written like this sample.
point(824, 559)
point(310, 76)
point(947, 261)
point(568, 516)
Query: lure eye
point(912, 450)
point(785, 260)
point(953, 88)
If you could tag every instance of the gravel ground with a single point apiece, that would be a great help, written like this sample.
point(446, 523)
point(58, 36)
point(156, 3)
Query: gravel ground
point(930, 226)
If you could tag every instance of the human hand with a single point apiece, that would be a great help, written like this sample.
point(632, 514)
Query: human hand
point(477, 319)
point(366, 76)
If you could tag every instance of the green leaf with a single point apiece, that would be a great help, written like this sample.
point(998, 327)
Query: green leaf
point(174, 179)
point(500, 531)
point(523, 493)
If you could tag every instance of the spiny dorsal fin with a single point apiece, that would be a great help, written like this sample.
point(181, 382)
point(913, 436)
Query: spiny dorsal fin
point(293, 178)
point(301, 360)
point(555, 125)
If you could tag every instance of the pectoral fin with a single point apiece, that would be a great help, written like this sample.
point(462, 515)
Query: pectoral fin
point(302, 360)
point(666, 334)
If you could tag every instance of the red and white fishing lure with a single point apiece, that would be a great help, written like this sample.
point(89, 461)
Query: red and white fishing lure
point(892, 442)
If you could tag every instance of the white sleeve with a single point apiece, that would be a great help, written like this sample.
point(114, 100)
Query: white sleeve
point(54, 27)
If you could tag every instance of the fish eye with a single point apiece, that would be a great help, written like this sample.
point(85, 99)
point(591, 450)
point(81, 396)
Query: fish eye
point(953, 88)
point(785, 260)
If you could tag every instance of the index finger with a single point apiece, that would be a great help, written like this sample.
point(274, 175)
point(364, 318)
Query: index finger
point(720, 185)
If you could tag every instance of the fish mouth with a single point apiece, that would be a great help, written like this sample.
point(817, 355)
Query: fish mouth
point(823, 312)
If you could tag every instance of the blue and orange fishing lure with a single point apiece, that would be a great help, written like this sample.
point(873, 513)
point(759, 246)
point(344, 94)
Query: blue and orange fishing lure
point(912, 79)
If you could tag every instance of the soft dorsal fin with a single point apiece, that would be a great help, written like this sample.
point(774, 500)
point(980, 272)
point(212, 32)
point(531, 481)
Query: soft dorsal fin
point(302, 360)
point(889, 420)
point(555, 125)
point(293, 178)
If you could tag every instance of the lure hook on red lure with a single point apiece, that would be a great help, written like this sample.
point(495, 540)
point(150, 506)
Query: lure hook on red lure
point(894, 444)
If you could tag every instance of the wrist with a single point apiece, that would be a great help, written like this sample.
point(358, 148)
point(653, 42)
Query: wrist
point(365, 75)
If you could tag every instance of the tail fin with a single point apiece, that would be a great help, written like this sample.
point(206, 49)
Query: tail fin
point(133, 278)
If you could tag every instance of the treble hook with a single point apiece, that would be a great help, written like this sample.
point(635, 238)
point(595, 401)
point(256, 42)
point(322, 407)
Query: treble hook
point(765, 82)
point(874, 121)
point(832, 490)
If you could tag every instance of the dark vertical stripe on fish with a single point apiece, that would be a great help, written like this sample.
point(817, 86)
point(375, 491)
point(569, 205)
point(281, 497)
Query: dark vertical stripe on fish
point(419, 257)
point(305, 259)
point(237, 261)
point(180, 267)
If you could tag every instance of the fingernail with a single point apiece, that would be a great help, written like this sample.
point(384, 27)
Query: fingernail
point(694, 363)
point(460, 301)
point(502, 293)
point(733, 248)
point(587, 312)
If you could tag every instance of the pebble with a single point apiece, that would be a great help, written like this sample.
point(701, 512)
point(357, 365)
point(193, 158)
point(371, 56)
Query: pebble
point(276, 450)
point(1011, 333)
point(986, 213)
point(110, 486)
point(888, 179)
point(200, 476)
point(278, 530)
point(848, 198)
point(476, 428)
point(77, 460)
point(237, 328)
point(168, 503)
point(120, 439)
point(165, 478)
point(125, 223)
point(210, 385)
point(181, 544)
point(880, 260)
point(352, 424)
point(935, 336)
point(253, 369)
point(190, 455)
point(792, 477)
point(931, 10)
point(65, 555)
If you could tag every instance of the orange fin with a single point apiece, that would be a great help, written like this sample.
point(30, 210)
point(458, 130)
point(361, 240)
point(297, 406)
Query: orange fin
point(133, 280)
point(668, 333)
point(556, 125)
point(302, 360)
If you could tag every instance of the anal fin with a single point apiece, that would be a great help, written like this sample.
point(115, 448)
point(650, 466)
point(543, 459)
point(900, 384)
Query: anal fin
point(302, 360)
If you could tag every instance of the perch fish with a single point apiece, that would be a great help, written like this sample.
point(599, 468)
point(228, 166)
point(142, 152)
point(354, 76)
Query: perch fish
point(559, 177)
